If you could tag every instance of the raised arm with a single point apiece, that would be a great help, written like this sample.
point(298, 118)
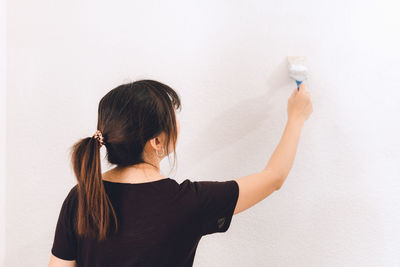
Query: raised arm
point(257, 186)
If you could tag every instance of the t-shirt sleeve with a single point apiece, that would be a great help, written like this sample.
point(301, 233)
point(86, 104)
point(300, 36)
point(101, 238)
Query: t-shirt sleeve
point(65, 243)
point(216, 204)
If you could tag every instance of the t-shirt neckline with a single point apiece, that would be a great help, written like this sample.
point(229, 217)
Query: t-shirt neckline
point(134, 184)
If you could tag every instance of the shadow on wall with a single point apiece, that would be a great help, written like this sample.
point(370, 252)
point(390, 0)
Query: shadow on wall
point(238, 121)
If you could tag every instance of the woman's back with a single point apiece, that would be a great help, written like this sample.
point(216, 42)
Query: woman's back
point(160, 223)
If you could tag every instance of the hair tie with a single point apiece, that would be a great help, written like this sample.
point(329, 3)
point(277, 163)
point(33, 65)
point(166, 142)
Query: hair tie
point(99, 137)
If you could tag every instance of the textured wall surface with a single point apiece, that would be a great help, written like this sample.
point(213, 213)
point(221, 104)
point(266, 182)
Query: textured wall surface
point(3, 127)
point(227, 60)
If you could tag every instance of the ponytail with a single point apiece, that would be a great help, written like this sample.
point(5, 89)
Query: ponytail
point(94, 206)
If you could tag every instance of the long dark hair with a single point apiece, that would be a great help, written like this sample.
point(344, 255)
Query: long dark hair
point(128, 116)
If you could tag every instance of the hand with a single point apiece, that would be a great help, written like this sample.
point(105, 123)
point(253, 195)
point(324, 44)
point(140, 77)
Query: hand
point(299, 104)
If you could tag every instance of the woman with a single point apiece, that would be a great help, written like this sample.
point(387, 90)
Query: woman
point(132, 215)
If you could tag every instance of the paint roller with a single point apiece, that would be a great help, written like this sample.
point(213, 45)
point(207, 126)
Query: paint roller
point(298, 69)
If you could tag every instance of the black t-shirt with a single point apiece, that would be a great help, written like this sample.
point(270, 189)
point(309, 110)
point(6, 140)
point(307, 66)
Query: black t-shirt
point(160, 223)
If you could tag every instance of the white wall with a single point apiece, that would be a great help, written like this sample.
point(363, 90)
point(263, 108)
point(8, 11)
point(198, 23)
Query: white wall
point(227, 60)
point(2, 129)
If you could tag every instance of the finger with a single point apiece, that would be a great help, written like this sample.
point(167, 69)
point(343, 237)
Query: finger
point(302, 87)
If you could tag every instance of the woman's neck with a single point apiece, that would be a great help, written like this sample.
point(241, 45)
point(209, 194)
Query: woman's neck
point(138, 173)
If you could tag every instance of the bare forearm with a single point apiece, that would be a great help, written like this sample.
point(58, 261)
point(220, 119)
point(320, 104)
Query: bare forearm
point(283, 156)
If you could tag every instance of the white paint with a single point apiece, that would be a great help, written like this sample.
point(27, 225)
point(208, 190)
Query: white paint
point(227, 59)
point(297, 68)
point(298, 72)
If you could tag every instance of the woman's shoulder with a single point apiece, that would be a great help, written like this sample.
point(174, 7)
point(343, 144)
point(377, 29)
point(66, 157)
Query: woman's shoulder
point(187, 183)
point(72, 196)
point(73, 191)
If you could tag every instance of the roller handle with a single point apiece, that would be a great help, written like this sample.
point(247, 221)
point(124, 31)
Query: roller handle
point(298, 84)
